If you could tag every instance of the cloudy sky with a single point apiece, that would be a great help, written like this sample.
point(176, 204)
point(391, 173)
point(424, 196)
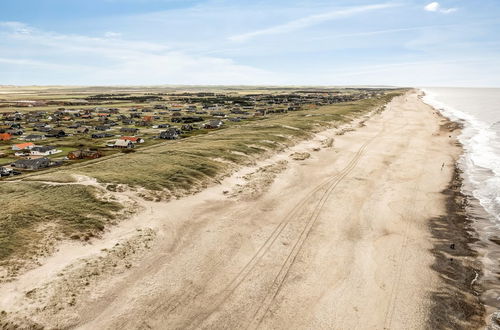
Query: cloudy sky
point(250, 42)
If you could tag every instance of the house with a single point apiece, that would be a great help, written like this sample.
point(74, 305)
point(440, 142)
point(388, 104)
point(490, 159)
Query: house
point(260, 113)
point(5, 136)
point(132, 139)
point(189, 120)
point(44, 151)
point(82, 130)
point(123, 144)
point(32, 164)
point(170, 134)
point(84, 154)
point(56, 133)
point(238, 111)
point(15, 132)
point(219, 114)
point(101, 135)
point(187, 127)
point(34, 137)
point(129, 130)
point(43, 129)
point(23, 146)
point(102, 128)
point(217, 123)
point(16, 125)
point(4, 171)
point(39, 125)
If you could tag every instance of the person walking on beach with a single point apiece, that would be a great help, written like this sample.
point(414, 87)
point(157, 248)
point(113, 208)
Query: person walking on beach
point(442, 166)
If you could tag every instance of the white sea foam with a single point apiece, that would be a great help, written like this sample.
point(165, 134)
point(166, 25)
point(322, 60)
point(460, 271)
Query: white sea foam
point(481, 159)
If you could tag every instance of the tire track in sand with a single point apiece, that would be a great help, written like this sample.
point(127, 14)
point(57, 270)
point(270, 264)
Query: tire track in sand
point(330, 185)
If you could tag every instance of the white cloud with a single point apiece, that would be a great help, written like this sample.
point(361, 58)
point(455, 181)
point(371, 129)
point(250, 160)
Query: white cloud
point(111, 34)
point(433, 6)
point(436, 7)
point(16, 27)
point(308, 21)
point(111, 60)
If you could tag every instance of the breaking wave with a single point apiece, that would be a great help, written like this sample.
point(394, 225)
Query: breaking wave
point(481, 159)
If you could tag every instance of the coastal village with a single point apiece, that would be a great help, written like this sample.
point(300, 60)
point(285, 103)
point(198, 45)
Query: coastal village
point(44, 133)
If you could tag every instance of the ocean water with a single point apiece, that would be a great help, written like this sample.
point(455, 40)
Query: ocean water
point(478, 109)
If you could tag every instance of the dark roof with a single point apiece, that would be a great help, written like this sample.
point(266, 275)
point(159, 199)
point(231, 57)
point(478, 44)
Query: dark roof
point(43, 148)
point(33, 136)
point(216, 122)
point(39, 162)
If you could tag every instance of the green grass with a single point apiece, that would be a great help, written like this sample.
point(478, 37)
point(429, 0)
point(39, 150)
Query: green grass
point(28, 206)
point(6, 161)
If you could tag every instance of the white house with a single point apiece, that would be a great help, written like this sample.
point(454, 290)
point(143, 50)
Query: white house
point(44, 151)
point(123, 144)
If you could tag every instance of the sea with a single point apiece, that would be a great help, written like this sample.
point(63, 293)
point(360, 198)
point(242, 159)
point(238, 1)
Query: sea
point(478, 110)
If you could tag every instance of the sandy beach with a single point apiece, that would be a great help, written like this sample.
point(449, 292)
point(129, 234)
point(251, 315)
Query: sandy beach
point(343, 231)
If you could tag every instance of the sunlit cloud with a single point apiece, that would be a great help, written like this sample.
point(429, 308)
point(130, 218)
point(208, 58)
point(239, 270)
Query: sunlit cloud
point(436, 7)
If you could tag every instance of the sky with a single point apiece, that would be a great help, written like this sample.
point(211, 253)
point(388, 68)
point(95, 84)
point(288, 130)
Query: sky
point(250, 42)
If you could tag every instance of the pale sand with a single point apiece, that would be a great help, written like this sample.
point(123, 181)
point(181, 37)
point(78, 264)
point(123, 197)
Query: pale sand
point(339, 240)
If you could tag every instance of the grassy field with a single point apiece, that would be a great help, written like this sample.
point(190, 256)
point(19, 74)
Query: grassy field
point(31, 208)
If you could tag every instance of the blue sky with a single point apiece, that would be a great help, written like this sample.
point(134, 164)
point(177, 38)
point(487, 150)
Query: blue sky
point(243, 42)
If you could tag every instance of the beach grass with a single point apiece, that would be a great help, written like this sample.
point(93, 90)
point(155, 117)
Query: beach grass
point(27, 207)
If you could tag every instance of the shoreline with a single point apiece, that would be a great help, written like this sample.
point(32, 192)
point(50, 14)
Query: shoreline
point(474, 259)
point(457, 263)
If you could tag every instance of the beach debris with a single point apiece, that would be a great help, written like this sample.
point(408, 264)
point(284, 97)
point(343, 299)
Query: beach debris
point(258, 182)
point(495, 320)
point(328, 143)
point(300, 155)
